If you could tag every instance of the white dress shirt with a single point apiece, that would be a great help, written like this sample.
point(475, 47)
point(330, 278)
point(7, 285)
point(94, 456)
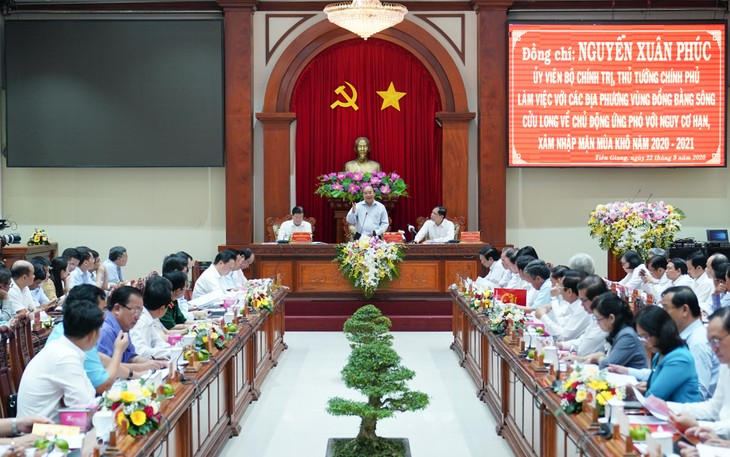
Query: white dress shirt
point(78, 277)
point(713, 413)
point(592, 340)
point(656, 290)
point(288, 227)
point(54, 378)
point(369, 219)
point(682, 280)
point(436, 233)
point(633, 279)
point(20, 299)
point(145, 336)
point(497, 276)
point(704, 287)
point(234, 280)
point(209, 281)
point(706, 364)
point(568, 324)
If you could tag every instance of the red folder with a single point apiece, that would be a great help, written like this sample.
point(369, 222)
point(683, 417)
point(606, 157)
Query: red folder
point(512, 296)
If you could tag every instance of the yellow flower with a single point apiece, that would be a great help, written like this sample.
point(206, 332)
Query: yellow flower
point(128, 397)
point(138, 418)
point(214, 336)
point(205, 339)
point(603, 397)
point(580, 396)
point(121, 418)
point(146, 392)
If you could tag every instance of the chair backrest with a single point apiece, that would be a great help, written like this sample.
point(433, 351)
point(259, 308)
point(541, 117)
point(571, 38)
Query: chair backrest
point(349, 229)
point(273, 224)
point(22, 351)
point(459, 225)
point(7, 384)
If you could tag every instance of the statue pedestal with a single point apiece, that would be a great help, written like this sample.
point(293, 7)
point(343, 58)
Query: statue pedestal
point(342, 207)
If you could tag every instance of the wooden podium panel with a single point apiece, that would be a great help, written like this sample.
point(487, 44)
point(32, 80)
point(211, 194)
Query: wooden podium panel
point(283, 269)
point(417, 276)
point(455, 268)
point(320, 275)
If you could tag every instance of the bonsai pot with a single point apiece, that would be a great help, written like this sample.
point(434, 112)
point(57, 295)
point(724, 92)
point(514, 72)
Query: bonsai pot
point(331, 444)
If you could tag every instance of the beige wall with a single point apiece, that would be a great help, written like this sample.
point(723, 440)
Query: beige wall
point(152, 212)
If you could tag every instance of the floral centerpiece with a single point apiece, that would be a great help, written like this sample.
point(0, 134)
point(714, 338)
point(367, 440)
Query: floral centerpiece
point(586, 383)
point(502, 317)
point(39, 237)
point(478, 298)
point(368, 262)
point(258, 294)
point(138, 405)
point(204, 331)
point(346, 185)
point(638, 226)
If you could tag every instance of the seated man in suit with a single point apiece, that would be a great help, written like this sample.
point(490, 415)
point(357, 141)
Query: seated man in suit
point(438, 228)
point(296, 224)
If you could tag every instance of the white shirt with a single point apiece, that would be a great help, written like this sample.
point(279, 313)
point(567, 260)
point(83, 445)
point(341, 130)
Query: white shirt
point(515, 282)
point(568, 324)
point(713, 413)
point(592, 340)
point(436, 233)
point(704, 287)
point(54, 378)
point(633, 279)
point(496, 277)
point(39, 297)
point(234, 280)
point(682, 280)
point(288, 227)
point(113, 272)
point(656, 290)
point(20, 299)
point(145, 336)
point(209, 281)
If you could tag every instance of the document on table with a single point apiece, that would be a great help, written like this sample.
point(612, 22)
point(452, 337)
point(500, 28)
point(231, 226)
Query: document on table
point(621, 379)
point(656, 406)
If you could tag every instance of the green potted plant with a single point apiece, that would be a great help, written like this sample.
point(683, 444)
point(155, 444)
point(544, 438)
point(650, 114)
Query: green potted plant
point(373, 368)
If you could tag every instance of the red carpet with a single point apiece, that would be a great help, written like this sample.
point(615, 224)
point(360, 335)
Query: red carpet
point(415, 316)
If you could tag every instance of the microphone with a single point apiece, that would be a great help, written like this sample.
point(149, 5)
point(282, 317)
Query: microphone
point(647, 198)
point(637, 194)
point(412, 229)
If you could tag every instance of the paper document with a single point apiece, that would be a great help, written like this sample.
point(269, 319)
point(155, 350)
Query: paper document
point(203, 300)
point(656, 406)
point(621, 379)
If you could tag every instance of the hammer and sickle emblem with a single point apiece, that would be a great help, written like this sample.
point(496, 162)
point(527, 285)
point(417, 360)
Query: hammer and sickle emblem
point(350, 99)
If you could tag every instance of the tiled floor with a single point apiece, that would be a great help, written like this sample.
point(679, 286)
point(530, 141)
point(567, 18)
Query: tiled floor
point(290, 420)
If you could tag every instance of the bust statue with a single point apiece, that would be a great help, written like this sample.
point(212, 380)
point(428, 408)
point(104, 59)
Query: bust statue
point(362, 163)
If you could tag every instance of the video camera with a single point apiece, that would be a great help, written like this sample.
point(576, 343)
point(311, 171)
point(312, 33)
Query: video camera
point(10, 238)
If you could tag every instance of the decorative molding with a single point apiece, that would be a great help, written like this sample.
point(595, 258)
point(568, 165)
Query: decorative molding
point(461, 47)
point(319, 6)
point(271, 49)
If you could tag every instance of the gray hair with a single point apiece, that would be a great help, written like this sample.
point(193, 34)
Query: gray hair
point(582, 262)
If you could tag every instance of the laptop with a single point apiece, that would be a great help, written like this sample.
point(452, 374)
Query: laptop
point(717, 235)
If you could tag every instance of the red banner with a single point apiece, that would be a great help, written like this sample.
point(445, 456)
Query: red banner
point(627, 95)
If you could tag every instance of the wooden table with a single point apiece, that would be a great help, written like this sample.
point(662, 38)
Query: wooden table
point(209, 404)
point(14, 252)
point(521, 399)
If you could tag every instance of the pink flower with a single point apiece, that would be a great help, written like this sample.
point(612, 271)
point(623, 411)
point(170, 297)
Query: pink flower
point(357, 176)
point(394, 176)
point(353, 189)
point(375, 180)
point(341, 176)
point(337, 186)
point(332, 176)
point(380, 174)
point(384, 189)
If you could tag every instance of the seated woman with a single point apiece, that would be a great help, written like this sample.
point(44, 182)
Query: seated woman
point(672, 376)
point(615, 317)
point(634, 267)
point(712, 414)
point(59, 273)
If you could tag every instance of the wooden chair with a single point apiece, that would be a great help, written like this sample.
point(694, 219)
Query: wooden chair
point(459, 225)
point(349, 229)
point(21, 352)
point(273, 224)
point(7, 384)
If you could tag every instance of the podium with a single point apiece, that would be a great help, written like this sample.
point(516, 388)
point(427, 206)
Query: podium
point(342, 207)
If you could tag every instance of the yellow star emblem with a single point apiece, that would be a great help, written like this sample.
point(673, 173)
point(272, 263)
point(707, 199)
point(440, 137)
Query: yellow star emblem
point(391, 97)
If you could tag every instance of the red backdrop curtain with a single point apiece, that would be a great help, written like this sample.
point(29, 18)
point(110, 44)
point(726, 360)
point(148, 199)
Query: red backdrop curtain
point(407, 142)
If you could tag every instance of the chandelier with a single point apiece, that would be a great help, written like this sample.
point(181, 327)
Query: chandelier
point(365, 17)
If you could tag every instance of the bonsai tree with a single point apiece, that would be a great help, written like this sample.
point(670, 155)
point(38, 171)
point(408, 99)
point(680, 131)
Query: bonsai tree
point(374, 368)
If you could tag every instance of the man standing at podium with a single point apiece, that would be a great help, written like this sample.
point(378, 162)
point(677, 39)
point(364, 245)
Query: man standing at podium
point(369, 216)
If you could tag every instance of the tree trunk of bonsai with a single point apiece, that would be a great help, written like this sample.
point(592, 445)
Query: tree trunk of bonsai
point(367, 429)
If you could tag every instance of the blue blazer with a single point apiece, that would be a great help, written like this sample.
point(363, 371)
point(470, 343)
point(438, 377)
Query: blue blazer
point(675, 378)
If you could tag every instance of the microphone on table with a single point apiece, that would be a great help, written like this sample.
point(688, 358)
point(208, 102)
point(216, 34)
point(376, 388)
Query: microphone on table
point(413, 231)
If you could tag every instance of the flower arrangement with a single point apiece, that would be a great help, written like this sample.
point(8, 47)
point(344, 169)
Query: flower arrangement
point(206, 330)
point(586, 383)
point(639, 226)
point(368, 262)
point(259, 294)
point(138, 405)
point(477, 298)
point(502, 317)
point(346, 185)
point(39, 237)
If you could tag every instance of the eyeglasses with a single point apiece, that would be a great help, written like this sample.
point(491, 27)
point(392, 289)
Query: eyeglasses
point(598, 319)
point(715, 341)
point(135, 311)
point(643, 339)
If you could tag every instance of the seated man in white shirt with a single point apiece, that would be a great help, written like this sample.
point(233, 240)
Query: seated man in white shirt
point(498, 274)
point(571, 321)
point(593, 339)
point(702, 286)
point(212, 278)
point(521, 263)
point(656, 282)
point(40, 299)
point(146, 335)
point(22, 275)
point(82, 273)
point(296, 224)
point(438, 229)
point(236, 279)
point(677, 273)
point(55, 376)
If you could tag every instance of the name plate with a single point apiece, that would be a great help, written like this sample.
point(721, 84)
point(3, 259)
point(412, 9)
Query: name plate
point(301, 237)
point(471, 237)
point(393, 237)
